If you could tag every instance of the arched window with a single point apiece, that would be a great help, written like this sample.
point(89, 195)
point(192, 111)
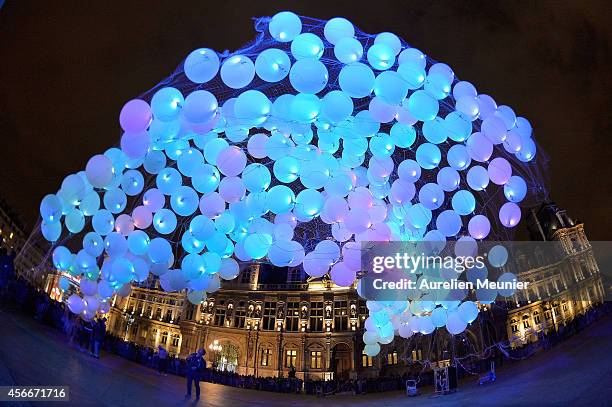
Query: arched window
point(526, 323)
point(536, 317)
point(514, 325)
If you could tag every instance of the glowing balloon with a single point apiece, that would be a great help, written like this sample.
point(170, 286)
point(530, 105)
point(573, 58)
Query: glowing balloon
point(201, 66)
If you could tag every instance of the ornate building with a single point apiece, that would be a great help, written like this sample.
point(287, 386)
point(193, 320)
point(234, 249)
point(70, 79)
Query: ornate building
point(562, 287)
point(270, 319)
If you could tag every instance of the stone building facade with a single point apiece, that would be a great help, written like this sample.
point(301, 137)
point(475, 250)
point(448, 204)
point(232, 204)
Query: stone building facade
point(268, 319)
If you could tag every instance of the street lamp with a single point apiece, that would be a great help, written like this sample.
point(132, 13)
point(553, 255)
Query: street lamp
point(215, 348)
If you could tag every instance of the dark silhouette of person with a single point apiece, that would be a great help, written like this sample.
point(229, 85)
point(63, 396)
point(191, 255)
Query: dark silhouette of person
point(195, 369)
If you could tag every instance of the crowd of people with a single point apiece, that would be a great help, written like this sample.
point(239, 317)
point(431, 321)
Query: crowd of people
point(90, 336)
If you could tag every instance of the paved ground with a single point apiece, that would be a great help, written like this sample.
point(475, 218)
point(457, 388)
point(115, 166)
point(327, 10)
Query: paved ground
point(578, 372)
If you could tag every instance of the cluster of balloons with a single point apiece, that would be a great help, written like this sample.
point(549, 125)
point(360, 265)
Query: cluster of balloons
point(366, 140)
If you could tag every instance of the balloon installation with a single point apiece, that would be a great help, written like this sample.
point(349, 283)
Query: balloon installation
point(292, 151)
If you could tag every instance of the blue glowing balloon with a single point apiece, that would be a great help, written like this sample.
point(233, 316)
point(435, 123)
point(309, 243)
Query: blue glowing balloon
point(448, 179)
point(338, 28)
point(281, 199)
point(381, 56)
point(403, 136)
point(200, 106)
point(285, 26)
point(336, 106)
point(167, 102)
point(431, 196)
point(62, 258)
point(422, 106)
point(200, 67)
point(286, 169)
point(168, 181)
point(409, 170)
point(515, 189)
point(463, 202)
point(184, 201)
point(419, 216)
point(458, 157)
point(348, 50)
point(132, 182)
point(478, 178)
point(356, 80)
point(51, 208)
point(309, 202)
point(308, 76)
point(479, 227)
point(307, 45)
point(257, 245)
point(115, 200)
point(479, 147)
point(154, 161)
point(253, 107)
point(448, 223)
point(391, 87)
point(237, 71)
point(103, 222)
point(75, 221)
point(272, 65)
point(115, 244)
point(164, 221)
point(499, 170)
point(412, 74)
point(138, 242)
point(93, 244)
point(428, 156)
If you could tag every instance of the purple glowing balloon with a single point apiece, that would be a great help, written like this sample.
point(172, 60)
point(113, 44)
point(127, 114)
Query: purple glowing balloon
point(499, 171)
point(479, 147)
point(135, 116)
point(479, 227)
point(510, 214)
point(494, 129)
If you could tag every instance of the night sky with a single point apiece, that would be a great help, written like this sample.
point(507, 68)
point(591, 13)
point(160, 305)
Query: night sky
point(68, 67)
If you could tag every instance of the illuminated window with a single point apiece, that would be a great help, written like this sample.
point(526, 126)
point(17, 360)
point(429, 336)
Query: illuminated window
point(341, 316)
point(175, 340)
point(292, 320)
point(536, 317)
point(219, 317)
point(316, 316)
point(392, 358)
point(239, 318)
point(514, 326)
point(269, 315)
point(316, 358)
point(526, 321)
point(265, 357)
point(290, 357)
point(366, 360)
point(164, 337)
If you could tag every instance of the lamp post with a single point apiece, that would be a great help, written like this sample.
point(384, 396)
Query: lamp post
point(129, 321)
point(215, 348)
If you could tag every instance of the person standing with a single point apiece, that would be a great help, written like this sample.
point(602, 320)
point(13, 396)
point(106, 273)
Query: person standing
point(162, 361)
point(98, 334)
point(195, 369)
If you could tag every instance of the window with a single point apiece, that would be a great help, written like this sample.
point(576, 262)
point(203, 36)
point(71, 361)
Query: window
point(316, 357)
point(294, 275)
point(536, 317)
point(246, 276)
point(290, 357)
point(292, 320)
point(366, 361)
point(239, 318)
point(526, 324)
point(164, 337)
point(341, 317)
point(514, 326)
point(265, 357)
point(269, 315)
point(547, 315)
point(316, 316)
point(158, 313)
point(169, 315)
point(417, 354)
point(175, 340)
point(219, 317)
point(392, 358)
